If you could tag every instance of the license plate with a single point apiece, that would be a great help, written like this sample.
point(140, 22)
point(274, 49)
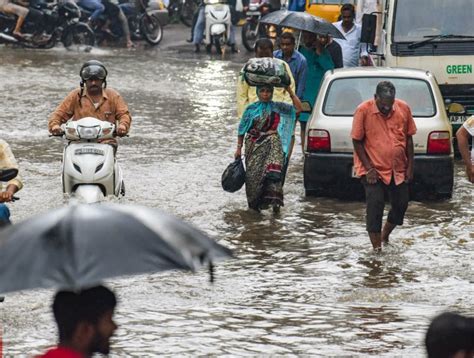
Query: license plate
point(353, 173)
point(457, 119)
point(94, 151)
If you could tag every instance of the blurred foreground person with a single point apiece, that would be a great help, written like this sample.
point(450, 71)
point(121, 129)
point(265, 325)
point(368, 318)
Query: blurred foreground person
point(84, 321)
point(462, 135)
point(450, 335)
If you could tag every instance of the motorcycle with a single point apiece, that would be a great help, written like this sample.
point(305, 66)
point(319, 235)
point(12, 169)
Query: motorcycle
point(48, 23)
point(90, 171)
point(144, 18)
point(218, 23)
point(252, 29)
point(185, 9)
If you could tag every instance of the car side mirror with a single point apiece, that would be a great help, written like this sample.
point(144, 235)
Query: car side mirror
point(369, 27)
point(8, 174)
point(306, 107)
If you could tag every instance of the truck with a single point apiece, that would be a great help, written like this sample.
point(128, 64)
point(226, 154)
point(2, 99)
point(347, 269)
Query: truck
point(432, 35)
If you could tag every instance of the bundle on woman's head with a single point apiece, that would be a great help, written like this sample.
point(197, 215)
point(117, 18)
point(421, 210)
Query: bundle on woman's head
point(266, 70)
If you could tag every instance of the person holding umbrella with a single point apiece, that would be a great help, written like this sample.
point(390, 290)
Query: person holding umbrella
point(319, 61)
point(85, 322)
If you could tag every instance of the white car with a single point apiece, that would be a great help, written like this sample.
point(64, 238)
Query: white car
point(328, 165)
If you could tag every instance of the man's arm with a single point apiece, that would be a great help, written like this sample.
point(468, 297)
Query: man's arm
point(8, 161)
point(371, 175)
point(462, 136)
point(62, 113)
point(122, 116)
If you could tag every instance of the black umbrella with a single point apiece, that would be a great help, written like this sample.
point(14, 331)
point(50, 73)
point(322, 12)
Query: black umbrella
point(81, 245)
point(302, 21)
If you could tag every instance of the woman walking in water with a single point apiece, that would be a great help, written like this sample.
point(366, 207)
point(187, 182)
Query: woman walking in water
point(267, 128)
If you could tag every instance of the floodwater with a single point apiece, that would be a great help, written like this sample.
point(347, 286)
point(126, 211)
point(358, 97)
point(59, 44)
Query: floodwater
point(305, 281)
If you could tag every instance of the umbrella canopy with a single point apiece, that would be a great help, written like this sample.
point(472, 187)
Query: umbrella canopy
point(302, 21)
point(81, 245)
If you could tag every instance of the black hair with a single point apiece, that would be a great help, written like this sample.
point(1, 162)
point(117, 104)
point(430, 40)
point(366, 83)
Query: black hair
point(263, 43)
point(385, 89)
point(449, 333)
point(348, 7)
point(288, 35)
point(89, 305)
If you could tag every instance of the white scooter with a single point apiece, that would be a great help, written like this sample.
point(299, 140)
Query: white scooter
point(218, 23)
point(90, 170)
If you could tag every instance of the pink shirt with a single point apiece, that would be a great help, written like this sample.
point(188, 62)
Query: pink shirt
point(384, 139)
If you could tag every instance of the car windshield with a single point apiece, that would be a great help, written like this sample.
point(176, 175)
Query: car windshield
point(345, 94)
point(413, 20)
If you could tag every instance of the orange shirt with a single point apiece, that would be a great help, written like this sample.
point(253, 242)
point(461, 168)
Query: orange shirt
point(385, 139)
point(111, 108)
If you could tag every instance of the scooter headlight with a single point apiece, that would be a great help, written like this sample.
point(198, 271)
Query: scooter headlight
point(88, 132)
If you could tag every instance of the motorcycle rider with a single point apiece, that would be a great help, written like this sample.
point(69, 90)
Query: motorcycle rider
point(8, 7)
point(7, 160)
point(92, 99)
point(200, 24)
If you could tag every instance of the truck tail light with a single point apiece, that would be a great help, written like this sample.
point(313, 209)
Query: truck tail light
point(439, 143)
point(318, 141)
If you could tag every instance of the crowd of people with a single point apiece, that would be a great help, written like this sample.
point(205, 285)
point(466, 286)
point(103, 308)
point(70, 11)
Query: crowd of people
point(268, 116)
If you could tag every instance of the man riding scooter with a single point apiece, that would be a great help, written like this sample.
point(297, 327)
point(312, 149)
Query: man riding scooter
point(95, 100)
point(199, 28)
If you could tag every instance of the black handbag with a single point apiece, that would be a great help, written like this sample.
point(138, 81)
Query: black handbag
point(233, 177)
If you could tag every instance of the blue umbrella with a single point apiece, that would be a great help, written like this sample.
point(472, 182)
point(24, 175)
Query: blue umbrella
point(302, 21)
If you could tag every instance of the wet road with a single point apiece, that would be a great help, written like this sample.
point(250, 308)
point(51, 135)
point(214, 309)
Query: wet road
point(305, 282)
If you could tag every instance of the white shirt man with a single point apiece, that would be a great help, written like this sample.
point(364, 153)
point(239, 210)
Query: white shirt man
point(352, 49)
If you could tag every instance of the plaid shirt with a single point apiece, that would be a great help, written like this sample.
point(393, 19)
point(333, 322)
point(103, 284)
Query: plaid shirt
point(7, 160)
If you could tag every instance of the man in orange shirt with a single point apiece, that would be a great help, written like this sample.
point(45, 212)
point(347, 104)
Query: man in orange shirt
point(96, 100)
point(382, 133)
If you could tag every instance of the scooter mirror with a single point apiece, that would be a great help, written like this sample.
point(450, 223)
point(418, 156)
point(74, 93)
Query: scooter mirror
point(8, 174)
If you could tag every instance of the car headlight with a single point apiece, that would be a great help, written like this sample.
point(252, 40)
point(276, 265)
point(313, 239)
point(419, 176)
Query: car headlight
point(88, 132)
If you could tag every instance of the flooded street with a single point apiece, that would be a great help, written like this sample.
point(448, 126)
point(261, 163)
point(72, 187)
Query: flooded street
point(305, 282)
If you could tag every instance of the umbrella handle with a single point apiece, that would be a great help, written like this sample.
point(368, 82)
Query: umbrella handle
point(211, 272)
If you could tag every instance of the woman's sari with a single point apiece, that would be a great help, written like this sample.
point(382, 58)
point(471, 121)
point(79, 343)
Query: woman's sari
point(268, 127)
